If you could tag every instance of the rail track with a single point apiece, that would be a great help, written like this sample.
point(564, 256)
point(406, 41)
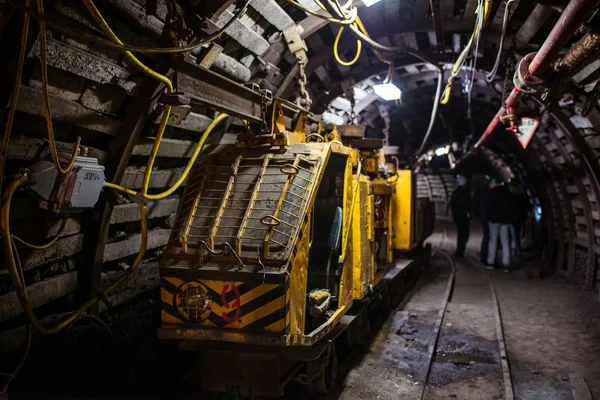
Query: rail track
point(441, 328)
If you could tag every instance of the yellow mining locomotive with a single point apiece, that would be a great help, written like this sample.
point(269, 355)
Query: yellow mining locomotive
point(278, 238)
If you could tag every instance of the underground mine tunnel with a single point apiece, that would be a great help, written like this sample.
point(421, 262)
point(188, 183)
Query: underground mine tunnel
point(239, 199)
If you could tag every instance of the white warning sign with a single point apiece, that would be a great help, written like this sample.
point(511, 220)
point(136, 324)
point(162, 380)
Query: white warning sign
point(526, 129)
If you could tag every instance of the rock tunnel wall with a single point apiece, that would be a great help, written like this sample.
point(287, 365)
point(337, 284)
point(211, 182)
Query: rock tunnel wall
point(93, 90)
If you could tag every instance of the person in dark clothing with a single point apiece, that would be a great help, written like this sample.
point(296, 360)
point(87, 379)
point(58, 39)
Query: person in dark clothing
point(500, 212)
point(460, 204)
point(480, 209)
point(521, 209)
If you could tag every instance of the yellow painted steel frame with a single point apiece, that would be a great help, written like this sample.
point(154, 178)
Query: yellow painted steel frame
point(403, 209)
point(363, 259)
point(263, 307)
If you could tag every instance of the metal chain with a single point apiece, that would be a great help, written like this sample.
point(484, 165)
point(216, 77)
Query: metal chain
point(303, 100)
point(352, 112)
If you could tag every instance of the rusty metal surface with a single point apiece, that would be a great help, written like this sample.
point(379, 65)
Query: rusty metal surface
point(581, 50)
point(569, 21)
point(212, 89)
point(352, 131)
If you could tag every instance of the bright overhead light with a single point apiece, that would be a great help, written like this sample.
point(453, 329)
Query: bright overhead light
point(387, 91)
point(441, 151)
point(369, 3)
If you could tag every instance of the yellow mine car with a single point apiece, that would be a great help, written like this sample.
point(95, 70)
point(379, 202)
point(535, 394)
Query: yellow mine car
point(278, 240)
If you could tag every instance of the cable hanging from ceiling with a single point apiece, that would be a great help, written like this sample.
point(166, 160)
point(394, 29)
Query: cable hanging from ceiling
point(490, 77)
point(384, 53)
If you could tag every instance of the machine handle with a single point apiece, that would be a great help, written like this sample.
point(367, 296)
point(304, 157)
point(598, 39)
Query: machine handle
point(289, 169)
point(321, 138)
point(270, 220)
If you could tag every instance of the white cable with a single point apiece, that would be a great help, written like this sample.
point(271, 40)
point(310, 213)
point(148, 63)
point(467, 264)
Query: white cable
point(480, 16)
point(490, 77)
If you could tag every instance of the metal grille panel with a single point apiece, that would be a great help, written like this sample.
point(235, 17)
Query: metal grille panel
point(255, 205)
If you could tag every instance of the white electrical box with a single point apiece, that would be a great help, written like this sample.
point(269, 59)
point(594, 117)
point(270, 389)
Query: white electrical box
point(79, 189)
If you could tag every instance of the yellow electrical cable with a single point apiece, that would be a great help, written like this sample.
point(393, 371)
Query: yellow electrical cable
point(358, 24)
point(120, 188)
point(185, 173)
point(191, 162)
point(167, 112)
point(46, 100)
point(46, 245)
point(15, 95)
point(336, 53)
point(123, 47)
point(463, 55)
point(15, 268)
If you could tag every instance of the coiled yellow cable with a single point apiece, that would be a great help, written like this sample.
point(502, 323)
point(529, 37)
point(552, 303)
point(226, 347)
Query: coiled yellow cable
point(15, 268)
point(336, 54)
point(358, 24)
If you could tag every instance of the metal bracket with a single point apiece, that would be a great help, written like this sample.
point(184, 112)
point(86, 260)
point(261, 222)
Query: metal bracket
point(268, 67)
point(174, 99)
point(295, 44)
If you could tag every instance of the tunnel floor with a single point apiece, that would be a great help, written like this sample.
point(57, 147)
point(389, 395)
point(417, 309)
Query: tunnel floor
point(551, 332)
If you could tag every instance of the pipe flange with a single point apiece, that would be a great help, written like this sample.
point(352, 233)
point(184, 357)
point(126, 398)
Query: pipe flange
point(523, 70)
point(519, 84)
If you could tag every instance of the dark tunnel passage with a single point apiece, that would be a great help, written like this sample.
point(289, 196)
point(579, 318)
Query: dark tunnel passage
point(559, 168)
point(225, 199)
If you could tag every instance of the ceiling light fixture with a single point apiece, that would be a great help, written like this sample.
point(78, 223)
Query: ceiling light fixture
point(442, 150)
point(387, 90)
point(369, 3)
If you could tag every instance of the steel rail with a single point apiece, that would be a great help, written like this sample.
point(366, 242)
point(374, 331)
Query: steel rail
point(440, 320)
point(509, 393)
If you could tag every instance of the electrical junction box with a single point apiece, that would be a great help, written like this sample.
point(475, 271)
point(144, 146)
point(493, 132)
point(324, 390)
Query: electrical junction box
point(79, 189)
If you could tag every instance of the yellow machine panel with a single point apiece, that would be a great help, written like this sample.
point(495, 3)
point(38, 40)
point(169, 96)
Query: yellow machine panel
point(274, 243)
point(362, 239)
point(253, 238)
point(280, 243)
point(403, 207)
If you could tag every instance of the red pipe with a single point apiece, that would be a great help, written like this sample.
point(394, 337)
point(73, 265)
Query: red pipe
point(570, 20)
point(511, 101)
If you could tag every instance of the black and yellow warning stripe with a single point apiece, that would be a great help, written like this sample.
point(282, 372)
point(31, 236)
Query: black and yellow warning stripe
point(235, 305)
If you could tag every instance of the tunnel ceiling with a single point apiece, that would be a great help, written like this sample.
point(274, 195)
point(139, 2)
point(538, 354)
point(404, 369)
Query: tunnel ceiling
point(96, 94)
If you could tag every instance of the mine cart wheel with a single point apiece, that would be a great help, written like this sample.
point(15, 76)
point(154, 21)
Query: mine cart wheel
point(328, 365)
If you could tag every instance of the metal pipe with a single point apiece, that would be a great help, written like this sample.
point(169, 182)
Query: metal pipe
point(581, 50)
point(572, 17)
point(511, 102)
